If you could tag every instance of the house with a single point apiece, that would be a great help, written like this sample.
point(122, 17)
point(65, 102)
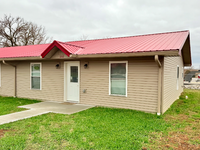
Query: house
point(142, 72)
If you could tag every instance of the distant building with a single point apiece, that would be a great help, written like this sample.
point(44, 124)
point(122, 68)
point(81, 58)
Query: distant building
point(192, 74)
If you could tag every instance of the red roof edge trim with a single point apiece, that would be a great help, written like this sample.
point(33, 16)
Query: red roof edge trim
point(51, 46)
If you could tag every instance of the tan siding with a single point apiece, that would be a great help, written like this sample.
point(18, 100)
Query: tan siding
point(60, 55)
point(142, 85)
point(52, 82)
point(7, 80)
point(170, 92)
point(141, 92)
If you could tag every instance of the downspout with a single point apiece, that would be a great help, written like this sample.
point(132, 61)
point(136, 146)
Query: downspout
point(15, 82)
point(159, 83)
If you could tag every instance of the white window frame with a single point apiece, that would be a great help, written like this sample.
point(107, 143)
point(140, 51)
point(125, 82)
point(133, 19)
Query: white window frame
point(40, 75)
point(111, 62)
point(182, 72)
point(177, 76)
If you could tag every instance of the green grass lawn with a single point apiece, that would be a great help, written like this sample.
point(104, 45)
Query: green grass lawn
point(108, 128)
point(9, 104)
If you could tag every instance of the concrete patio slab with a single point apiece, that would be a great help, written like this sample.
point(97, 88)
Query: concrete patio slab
point(43, 108)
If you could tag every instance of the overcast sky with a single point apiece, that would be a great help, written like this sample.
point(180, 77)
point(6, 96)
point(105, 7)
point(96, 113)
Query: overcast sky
point(67, 20)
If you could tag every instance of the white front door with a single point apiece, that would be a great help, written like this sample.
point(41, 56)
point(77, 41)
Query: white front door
point(72, 81)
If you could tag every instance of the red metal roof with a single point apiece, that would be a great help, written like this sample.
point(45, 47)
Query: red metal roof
point(71, 48)
point(132, 44)
point(143, 43)
point(23, 51)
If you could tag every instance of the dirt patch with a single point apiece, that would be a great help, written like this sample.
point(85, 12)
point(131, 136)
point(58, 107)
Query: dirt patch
point(182, 117)
point(187, 138)
point(2, 132)
point(179, 117)
point(179, 142)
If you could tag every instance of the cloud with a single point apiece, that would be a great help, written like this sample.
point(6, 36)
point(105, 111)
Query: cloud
point(69, 20)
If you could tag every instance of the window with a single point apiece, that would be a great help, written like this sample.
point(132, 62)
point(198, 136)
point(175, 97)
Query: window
point(177, 72)
point(177, 81)
point(74, 74)
point(118, 78)
point(36, 76)
point(182, 72)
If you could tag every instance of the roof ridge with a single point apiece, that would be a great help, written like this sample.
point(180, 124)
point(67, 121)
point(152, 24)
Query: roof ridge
point(70, 44)
point(132, 36)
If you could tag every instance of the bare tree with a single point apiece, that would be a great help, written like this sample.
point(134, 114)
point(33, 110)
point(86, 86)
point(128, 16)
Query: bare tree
point(84, 37)
point(190, 68)
point(18, 32)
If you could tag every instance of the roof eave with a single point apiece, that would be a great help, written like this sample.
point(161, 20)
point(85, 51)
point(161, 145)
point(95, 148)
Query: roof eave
point(185, 52)
point(136, 54)
point(22, 58)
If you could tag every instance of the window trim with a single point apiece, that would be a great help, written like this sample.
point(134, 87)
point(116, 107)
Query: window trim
point(40, 75)
point(177, 76)
point(110, 62)
point(182, 72)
